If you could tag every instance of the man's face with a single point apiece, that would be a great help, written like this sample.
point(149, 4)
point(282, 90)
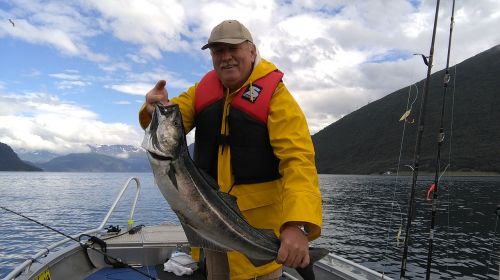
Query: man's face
point(233, 63)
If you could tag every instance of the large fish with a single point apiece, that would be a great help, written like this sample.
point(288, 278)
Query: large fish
point(210, 218)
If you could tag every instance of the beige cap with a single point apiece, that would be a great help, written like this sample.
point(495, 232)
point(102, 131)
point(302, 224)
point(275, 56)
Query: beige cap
point(229, 32)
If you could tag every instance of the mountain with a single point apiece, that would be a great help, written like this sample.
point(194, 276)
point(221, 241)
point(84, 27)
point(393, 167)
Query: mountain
point(101, 158)
point(368, 140)
point(90, 162)
point(134, 156)
point(9, 161)
point(118, 151)
point(36, 156)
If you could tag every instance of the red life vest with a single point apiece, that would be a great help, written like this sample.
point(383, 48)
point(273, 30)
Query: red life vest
point(252, 157)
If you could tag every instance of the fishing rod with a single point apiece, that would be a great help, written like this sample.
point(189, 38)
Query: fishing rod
point(416, 158)
point(118, 261)
point(440, 141)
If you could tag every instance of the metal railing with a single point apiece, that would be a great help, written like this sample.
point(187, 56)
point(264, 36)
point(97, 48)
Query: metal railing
point(43, 253)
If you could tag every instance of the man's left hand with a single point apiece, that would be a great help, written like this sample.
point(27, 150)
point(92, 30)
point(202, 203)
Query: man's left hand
point(294, 249)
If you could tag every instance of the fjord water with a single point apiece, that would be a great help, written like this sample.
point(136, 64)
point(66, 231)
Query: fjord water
point(362, 216)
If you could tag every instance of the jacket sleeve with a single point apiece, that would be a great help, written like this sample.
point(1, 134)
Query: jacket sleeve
point(186, 104)
point(292, 144)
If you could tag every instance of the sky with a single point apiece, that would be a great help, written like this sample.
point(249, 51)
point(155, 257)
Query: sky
point(75, 72)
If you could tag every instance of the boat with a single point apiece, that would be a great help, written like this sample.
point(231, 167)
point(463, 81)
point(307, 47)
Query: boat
point(145, 249)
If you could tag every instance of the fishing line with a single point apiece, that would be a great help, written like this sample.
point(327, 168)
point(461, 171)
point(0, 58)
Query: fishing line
point(409, 106)
point(117, 260)
point(447, 249)
point(448, 166)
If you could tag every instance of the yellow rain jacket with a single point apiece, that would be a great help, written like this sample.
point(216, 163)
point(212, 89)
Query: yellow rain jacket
point(293, 197)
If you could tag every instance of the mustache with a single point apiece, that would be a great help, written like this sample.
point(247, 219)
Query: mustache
point(228, 64)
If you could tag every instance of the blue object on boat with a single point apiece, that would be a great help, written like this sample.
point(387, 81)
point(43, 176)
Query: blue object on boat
point(122, 274)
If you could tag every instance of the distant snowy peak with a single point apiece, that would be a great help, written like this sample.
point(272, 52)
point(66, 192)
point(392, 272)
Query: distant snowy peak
point(119, 151)
point(36, 156)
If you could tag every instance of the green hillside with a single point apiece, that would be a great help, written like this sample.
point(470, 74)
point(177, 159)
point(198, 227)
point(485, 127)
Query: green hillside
point(368, 140)
point(9, 161)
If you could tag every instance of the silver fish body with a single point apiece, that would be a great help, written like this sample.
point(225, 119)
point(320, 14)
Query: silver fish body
point(210, 218)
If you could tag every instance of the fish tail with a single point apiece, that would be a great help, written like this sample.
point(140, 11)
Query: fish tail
point(315, 254)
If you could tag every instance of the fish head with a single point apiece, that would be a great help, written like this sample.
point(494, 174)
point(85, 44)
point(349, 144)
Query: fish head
point(164, 138)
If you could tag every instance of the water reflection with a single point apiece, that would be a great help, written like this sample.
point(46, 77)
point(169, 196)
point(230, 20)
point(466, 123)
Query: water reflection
point(362, 217)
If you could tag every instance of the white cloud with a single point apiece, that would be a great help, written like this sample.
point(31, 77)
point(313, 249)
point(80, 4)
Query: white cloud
point(33, 73)
point(115, 67)
point(147, 80)
point(57, 24)
point(156, 25)
point(122, 102)
point(69, 80)
point(133, 88)
point(325, 56)
point(327, 48)
point(65, 76)
point(39, 121)
point(137, 58)
point(71, 84)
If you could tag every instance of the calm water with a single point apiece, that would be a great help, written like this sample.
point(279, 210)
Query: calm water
point(362, 216)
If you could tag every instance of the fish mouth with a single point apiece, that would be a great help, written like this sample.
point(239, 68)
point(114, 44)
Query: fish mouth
point(161, 157)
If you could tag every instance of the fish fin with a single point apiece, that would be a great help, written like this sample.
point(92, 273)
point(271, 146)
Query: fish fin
point(315, 254)
point(230, 200)
point(211, 181)
point(196, 240)
point(259, 262)
point(153, 127)
point(171, 175)
point(269, 233)
point(307, 273)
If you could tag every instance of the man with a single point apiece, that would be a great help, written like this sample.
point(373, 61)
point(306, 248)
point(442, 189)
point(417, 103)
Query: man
point(252, 137)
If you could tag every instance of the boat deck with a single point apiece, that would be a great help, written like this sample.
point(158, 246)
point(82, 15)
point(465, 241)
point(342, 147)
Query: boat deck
point(128, 274)
point(151, 235)
point(148, 249)
point(156, 244)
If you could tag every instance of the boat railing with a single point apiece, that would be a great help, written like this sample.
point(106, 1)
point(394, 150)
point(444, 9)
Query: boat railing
point(16, 272)
point(337, 267)
point(333, 259)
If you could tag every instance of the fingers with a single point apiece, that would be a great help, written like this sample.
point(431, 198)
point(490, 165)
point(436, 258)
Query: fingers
point(160, 85)
point(292, 257)
point(158, 94)
point(305, 261)
point(294, 248)
point(282, 255)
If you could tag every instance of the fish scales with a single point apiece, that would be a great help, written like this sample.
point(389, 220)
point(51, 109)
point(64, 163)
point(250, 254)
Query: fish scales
point(210, 218)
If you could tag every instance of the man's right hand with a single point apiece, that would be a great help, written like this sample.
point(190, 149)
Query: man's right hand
point(157, 94)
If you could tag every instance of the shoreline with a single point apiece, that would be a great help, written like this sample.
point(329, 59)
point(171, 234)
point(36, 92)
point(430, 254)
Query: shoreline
point(449, 174)
point(427, 173)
